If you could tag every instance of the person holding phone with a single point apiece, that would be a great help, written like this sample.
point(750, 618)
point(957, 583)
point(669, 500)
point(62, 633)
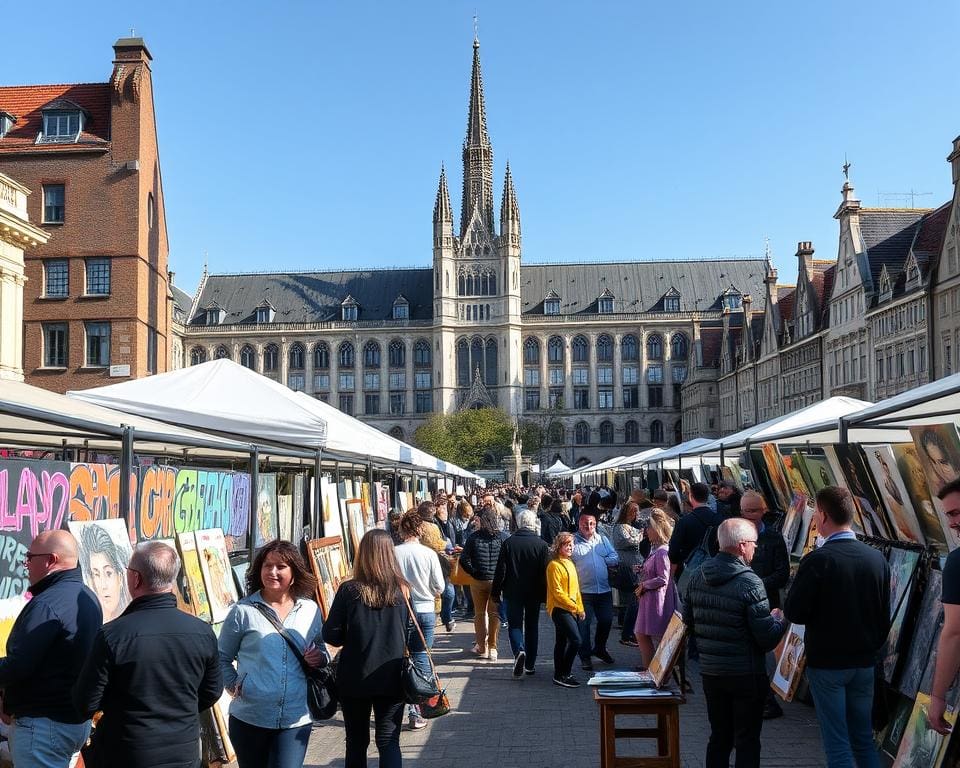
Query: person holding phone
point(269, 720)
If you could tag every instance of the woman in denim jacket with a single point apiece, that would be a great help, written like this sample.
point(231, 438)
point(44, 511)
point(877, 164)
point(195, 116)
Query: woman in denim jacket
point(269, 720)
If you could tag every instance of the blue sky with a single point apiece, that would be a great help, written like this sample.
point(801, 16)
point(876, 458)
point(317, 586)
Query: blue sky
point(309, 135)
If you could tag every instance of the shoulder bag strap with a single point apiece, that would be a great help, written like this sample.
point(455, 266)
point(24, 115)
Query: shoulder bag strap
point(423, 640)
point(272, 618)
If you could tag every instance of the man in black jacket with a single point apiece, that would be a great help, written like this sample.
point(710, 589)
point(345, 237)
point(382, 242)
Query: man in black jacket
point(841, 593)
point(521, 577)
point(727, 612)
point(151, 671)
point(691, 528)
point(46, 649)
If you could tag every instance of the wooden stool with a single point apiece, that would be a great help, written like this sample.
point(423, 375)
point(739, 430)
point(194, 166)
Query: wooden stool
point(667, 732)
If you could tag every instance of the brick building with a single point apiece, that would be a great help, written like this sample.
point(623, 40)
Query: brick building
point(97, 303)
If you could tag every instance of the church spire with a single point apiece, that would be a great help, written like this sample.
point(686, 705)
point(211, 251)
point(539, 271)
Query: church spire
point(509, 210)
point(477, 154)
point(442, 211)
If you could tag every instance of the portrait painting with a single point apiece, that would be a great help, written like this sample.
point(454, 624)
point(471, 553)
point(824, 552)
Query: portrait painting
point(104, 549)
point(661, 665)
point(777, 474)
point(193, 576)
point(790, 663)
point(217, 574)
point(914, 480)
point(815, 469)
point(858, 524)
point(921, 746)
point(924, 634)
point(859, 482)
point(265, 526)
point(793, 520)
point(903, 568)
point(883, 465)
point(938, 447)
point(383, 501)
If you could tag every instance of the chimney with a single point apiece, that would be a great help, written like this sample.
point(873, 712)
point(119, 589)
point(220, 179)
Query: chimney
point(131, 49)
point(170, 276)
point(954, 160)
point(805, 254)
point(850, 204)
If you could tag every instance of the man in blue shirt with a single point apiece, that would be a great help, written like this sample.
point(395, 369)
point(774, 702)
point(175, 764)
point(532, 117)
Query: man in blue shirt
point(592, 554)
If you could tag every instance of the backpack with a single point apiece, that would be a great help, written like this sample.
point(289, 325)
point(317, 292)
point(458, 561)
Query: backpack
point(693, 562)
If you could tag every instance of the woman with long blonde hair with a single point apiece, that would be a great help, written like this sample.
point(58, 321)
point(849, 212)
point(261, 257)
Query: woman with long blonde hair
point(565, 608)
point(368, 619)
point(656, 592)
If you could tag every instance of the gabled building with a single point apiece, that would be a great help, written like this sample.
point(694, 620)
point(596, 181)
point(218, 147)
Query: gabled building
point(96, 302)
point(945, 304)
point(778, 305)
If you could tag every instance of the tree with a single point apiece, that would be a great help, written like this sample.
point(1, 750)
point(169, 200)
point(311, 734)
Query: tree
point(468, 438)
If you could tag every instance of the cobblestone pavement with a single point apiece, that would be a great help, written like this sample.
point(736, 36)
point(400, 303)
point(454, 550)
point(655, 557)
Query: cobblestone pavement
point(500, 722)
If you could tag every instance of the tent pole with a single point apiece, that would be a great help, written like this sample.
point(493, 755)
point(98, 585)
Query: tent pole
point(126, 467)
point(842, 423)
point(316, 530)
point(254, 492)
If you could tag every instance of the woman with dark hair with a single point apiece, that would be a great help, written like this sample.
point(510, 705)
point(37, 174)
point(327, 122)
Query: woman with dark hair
point(479, 560)
point(269, 720)
point(368, 620)
point(104, 564)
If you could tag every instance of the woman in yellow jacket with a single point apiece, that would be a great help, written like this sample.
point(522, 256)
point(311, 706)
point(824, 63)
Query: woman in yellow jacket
point(565, 607)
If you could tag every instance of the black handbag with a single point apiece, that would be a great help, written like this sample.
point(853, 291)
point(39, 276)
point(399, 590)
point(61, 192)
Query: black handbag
point(418, 686)
point(321, 681)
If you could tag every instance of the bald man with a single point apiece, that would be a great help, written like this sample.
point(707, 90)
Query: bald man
point(48, 644)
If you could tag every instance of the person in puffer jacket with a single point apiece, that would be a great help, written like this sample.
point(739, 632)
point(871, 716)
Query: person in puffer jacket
point(479, 560)
point(728, 613)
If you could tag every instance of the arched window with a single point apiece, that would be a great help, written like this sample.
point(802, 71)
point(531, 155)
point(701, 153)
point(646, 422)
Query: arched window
point(580, 349)
point(371, 355)
point(493, 284)
point(397, 354)
point(606, 433)
point(678, 346)
point(345, 355)
point(421, 354)
point(221, 353)
point(531, 351)
point(655, 347)
point(469, 285)
point(476, 358)
point(297, 356)
point(397, 433)
point(491, 367)
point(678, 433)
point(461, 285)
point(463, 363)
point(555, 349)
point(321, 356)
point(271, 358)
point(555, 434)
point(604, 349)
point(581, 433)
point(248, 358)
point(631, 433)
point(656, 432)
point(198, 355)
point(629, 348)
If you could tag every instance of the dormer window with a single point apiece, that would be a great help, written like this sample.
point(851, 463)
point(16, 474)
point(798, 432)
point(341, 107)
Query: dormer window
point(214, 316)
point(732, 299)
point(6, 122)
point(265, 313)
point(551, 304)
point(886, 285)
point(605, 303)
point(913, 273)
point(349, 309)
point(401, 309)
point(671, 301)
point(61, 126)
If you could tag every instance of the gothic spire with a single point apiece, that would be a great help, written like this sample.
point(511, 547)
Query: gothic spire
point(509, 210)
point(477, 153)
point(442, 211)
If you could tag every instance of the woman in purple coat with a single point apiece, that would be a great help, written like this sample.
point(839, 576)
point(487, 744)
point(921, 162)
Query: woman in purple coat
point(656, 592)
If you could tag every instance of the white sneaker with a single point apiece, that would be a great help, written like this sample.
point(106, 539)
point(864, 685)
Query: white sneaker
point(492, 655)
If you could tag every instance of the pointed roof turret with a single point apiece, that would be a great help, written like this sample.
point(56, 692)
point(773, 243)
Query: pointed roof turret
point(442, 211)
point(509, 210)
point(477, 114)
point(477, 154)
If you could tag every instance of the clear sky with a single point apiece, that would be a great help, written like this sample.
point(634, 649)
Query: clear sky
point(309, 135)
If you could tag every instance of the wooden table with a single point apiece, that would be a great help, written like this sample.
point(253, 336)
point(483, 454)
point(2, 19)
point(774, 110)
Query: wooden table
point(666, 732)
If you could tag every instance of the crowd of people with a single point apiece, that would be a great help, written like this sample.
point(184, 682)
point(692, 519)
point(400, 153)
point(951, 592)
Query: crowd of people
point(711, 553)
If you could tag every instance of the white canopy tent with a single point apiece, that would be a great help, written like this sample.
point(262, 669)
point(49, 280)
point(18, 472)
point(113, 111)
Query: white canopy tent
point(932, 403)
point(657, 456)
point(557, 469)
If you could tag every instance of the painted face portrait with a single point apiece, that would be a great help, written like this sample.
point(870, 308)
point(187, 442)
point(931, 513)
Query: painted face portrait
point(104, 565)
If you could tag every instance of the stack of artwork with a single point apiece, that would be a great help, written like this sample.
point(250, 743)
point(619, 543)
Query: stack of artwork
point(329, 564)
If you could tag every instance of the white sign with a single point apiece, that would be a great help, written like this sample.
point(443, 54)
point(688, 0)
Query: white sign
point(119, 370)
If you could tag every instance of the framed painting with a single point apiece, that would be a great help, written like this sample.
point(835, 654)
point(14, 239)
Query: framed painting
point(193, 576)
point(328, 563)
point(791, 660)
point(354, 511)
point(104, 551)
point(668, 651)
point(217, 574)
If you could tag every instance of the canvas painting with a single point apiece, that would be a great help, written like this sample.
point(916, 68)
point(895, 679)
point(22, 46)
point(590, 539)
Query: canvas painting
point(860, 483)
point(104, 548)
point(921, 746)
point(193, 576)
point(807, 535)
point(265, 528)
point(383, 501)
point(285, 516)
point(778, 474)
point(217, 574)
point(794, 520)
point(180, 591)
point(915, 482)
point(903, 567)
point(331, 508)
point(858, 524)
point(794, 475)
point(938, 447)
point(883, 465)
point(816, 470)
point(10, 608)
point(924, 634)
point(790, 663)
point(354, 510)
point(299, 496)
point(926, 682)
point(890, 744)
point(668, 651)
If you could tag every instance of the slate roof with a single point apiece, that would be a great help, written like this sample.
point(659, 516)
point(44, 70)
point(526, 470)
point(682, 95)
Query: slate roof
point(887, 236)
point(929, 240)
point(639, 286)
point(308, 297)
point(829, 275)
point(25, 102)
point(182, 301)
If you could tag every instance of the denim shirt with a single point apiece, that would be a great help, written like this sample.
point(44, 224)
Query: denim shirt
point(273, 690)
point(591, 557)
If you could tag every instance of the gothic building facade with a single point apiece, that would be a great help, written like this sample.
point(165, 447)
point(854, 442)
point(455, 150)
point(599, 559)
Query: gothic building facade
point(597, 353)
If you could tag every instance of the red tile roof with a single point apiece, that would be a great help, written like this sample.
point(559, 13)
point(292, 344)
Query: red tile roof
point(26, 101)
point(786, 295)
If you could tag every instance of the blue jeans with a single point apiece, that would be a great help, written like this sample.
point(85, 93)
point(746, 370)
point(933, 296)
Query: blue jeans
point(446, 603)
point(844, 700)
point(523, 619)
point(427, 622)
point(502, 610)
point(599, 607)
point(39, 742)
point(258, 747)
